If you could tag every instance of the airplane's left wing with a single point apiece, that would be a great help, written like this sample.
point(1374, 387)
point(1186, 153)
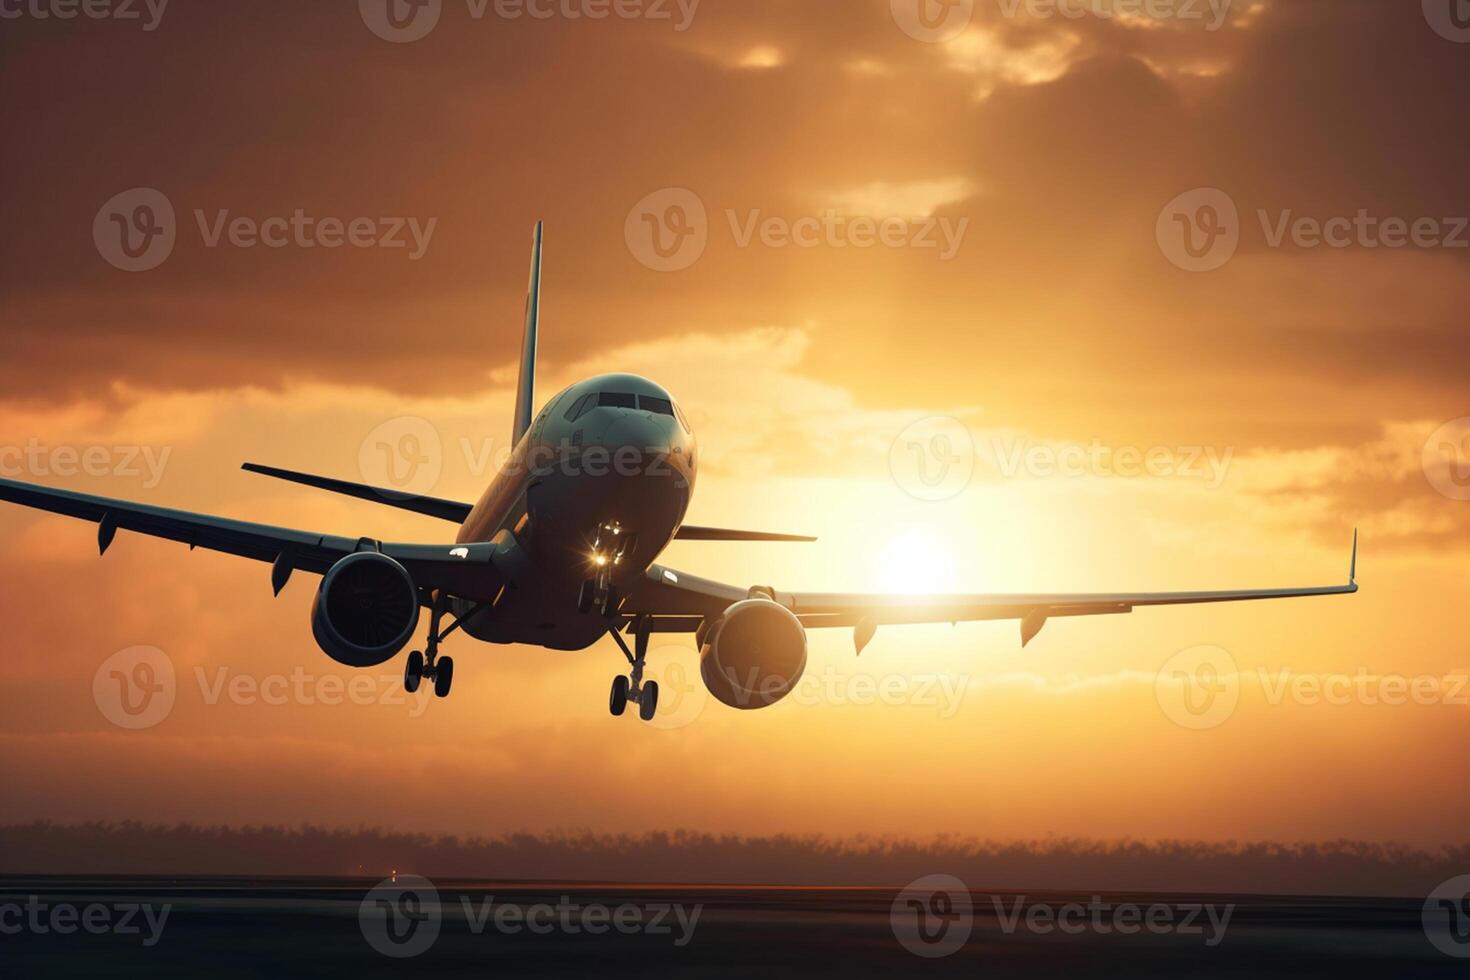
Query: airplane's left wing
point(457, 569)
point(678, 602)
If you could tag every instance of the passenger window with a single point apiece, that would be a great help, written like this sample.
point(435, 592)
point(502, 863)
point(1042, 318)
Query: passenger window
point(658, 406)
point(616, 399)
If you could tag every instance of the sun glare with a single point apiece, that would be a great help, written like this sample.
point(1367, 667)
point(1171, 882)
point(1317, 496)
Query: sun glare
point(915, 561)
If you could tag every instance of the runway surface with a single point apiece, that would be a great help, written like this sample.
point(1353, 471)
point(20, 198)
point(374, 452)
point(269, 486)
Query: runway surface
point(232, 927)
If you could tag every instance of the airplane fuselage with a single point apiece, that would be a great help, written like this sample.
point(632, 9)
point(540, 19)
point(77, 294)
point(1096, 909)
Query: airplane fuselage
point(609, 452)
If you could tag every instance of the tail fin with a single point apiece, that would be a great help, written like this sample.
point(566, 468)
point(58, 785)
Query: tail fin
point(526, 384)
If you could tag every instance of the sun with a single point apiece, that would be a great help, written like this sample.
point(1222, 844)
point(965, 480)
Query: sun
point(916, 561)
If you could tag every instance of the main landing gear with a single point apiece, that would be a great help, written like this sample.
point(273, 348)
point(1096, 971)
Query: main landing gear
point(610, 546)
point(632, 687)
point(431, 666)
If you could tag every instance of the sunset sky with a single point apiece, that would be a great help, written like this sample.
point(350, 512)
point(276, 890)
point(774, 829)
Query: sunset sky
point(1291, 394)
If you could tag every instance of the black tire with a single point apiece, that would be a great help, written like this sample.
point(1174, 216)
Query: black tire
point(413, 672)
point(585, 595)
point(648, 700)
point(609, 607)
point(443, 677)
point(617, 701)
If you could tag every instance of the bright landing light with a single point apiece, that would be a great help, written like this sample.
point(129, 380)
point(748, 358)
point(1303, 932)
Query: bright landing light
point(913, 562)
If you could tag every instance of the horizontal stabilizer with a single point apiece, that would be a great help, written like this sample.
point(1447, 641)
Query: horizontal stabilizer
point(445, 510)
point(691, 533)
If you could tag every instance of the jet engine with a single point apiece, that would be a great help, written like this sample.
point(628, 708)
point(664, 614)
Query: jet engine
point(365, 611)
point(753, 655)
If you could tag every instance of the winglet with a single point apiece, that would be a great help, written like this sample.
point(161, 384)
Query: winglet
point(1353, 568)
point(526, 383)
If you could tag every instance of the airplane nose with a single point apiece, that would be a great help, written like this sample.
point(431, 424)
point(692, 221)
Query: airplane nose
point(636, 432)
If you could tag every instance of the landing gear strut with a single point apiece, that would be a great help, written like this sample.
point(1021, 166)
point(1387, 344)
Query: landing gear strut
point(632, 687)
point(429, 666)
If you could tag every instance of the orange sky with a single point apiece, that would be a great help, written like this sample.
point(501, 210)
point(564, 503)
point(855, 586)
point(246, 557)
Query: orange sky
point(1313, 375)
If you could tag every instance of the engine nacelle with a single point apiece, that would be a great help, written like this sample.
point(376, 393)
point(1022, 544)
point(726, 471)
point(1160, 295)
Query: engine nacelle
point(754, 655)
point(366, 610)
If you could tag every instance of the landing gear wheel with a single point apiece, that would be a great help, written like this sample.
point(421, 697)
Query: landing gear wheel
point(586, 596)
point(609, 606)
point(617, 701)
point(648, 700)
point(443, 676)
point(413, 672)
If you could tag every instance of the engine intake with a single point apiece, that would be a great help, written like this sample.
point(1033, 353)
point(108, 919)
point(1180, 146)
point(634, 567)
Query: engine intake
point(754, 655)
point(365, 611)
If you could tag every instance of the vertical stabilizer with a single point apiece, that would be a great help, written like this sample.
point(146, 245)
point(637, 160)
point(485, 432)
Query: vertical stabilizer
point(526, 383)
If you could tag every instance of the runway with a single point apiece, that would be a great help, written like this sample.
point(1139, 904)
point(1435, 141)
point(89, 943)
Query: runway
point(232, 927)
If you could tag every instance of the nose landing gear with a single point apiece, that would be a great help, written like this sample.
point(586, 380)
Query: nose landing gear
point(611, 544)
point(632, 687)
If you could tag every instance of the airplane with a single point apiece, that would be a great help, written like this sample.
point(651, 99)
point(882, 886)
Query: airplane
point(561, 550)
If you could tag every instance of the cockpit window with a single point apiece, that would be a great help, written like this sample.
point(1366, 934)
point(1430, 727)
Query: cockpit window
point(658, 406)
point(616, 399)
point(619, 399)
point(581, 407)
point(679, 414)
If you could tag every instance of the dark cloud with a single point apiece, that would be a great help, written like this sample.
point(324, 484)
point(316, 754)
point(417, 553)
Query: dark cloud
point(1059, 314)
